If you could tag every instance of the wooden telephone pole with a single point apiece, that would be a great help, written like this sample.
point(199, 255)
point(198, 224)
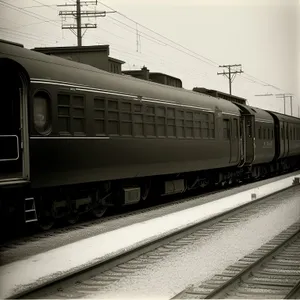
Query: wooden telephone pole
point(230, 74)
point(78, 14)
point(282, 96)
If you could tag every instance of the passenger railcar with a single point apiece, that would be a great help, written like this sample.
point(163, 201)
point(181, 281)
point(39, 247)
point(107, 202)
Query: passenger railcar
point(77, 139)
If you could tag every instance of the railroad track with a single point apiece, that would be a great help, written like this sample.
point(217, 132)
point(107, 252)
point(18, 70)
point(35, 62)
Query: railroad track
point(272, 271)
point(100, 276)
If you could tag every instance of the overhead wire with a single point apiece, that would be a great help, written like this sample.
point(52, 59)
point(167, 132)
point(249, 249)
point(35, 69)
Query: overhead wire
point(186, 50)
point(212, 62)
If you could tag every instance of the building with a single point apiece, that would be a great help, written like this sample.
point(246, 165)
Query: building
point(96, 56)
point(162, 78)
point(218, 94)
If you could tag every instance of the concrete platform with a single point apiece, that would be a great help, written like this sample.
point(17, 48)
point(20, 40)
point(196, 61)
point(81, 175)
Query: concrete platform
point(61, 262)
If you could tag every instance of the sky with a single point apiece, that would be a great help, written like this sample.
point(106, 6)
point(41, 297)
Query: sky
point(187, 39)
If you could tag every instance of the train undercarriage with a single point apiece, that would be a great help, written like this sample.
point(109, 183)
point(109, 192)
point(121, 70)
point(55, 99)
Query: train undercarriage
point(46, 206)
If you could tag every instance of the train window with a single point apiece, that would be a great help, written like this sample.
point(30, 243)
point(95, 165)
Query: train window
point(294, 133)
point(197, 125)
point(211, 125)
point(269, 135)
point(197, 129)
point(249, 129)
point(160, 121)
point(137, 108)
point(64, 114)
point(259, 133)
point(226, 129)
point(126, 124)
point(78, 114)
point(171, 113)
point(126, 106)
point(138, 125)
point(212, 130)
point(235, 129)
point(180, 123)
point(171, 128)
point(150, 110)
point(171, 124)
point(71, 113)
point(126, 118)
point(205, 129)
point(189, 124)
point(149, 121)
point(161, 127)
point(113, 117)
point(99, 116)
point(41, 112)
point(112, 104)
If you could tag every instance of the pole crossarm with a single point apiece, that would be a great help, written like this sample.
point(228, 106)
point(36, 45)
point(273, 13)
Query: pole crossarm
point(281, 96)
point(78, 14)
point(231, 74)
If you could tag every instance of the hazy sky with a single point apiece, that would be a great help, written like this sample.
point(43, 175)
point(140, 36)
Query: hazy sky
point(262, 35)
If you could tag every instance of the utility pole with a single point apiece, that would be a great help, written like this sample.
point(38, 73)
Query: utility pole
point(282, 96)
point(291, 101)
point(78, 20)
point(78, 15)
point(231, 73)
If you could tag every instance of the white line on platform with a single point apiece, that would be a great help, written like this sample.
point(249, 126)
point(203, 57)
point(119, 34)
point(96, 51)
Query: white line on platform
point(63, 261)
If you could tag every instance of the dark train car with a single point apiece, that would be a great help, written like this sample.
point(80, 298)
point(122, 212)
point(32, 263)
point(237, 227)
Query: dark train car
point(287, 137)
point(71, 124)
point(257, 138)
point(264, 137)
point(77, 139)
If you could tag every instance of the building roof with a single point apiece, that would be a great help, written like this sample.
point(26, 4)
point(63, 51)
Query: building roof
point(73, 49)
point(116, 60)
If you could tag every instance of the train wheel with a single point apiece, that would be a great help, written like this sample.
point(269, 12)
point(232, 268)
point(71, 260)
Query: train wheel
point(46, 222)
point(145, 190)
point(72, 219)
point(99, 211)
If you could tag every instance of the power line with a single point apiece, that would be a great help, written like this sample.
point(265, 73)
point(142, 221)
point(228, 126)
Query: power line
point(211, 62)
point(141, 33)
point(31, 14)
point(282, 96)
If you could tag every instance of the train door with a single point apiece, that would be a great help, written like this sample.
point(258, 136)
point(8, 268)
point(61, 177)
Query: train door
point(14, 152)
point(282, 139)
point(242, 141)
point(286, 139)
point(250, 139)
point(234, 141)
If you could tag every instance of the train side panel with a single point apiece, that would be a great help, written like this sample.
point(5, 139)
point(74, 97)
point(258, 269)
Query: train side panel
point(287, 135)
point(264, 137)
point(97, 137)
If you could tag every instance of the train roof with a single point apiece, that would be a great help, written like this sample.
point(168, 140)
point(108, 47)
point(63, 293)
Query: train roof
point(261, 115)
point(285, 118)
point(48, 67)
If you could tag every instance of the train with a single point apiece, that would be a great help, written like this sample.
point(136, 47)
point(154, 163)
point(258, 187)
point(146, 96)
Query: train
point(76, 139)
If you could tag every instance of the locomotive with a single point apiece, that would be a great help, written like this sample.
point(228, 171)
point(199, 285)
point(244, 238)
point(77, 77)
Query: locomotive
point(75, 139)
